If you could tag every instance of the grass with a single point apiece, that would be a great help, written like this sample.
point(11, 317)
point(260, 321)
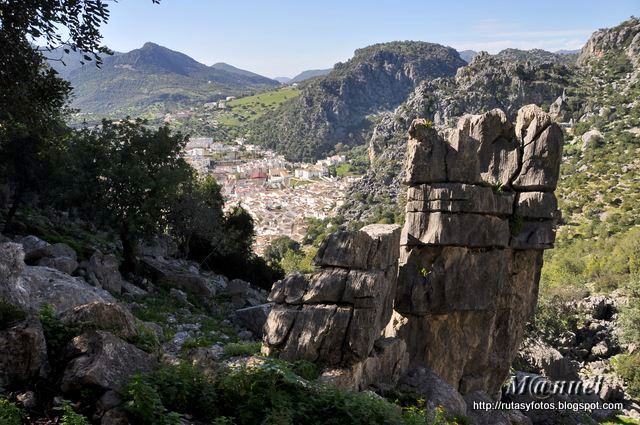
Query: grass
point(250, 108)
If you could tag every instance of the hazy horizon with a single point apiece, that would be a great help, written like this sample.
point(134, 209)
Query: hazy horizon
point(281, 39)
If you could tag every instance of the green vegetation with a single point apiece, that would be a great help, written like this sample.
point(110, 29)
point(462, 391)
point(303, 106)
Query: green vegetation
point(70, 417)
point(270, 391)
point(242, 349)
point(10, 414)
point(628, 367)
point(289, 256)
point(251, 108)
point(57, 334)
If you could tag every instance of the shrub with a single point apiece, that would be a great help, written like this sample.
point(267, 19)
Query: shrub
point(153, 398)
point(10, 414)
point(242, 349)
point(628, 367)
point(70, 417)
point(56, 333)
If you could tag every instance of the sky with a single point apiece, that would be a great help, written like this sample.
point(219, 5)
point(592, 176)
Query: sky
point(283, 38)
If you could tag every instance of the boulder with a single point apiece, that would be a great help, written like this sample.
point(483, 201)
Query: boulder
point(23, 354)
point(592, 139)
point(547, 359)
point(372, 247)
point(335, 315)
point(41, 285)
point(254, 318)
point(32, 243)
point(541, 161)
point(64, 264)
point(380, 371)
point(482, 150)
point(425, 158)
point(30, 287)
point(434, 390)
point(166, 274)
point(11, 266)
point(103, 272)
point(102, 361)
point(111, 317)
point(58, 250)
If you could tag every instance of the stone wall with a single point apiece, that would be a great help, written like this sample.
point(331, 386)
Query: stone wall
point(480, 211)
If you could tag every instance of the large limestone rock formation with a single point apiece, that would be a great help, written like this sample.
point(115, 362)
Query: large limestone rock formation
point(335, 316)
point(480, 212)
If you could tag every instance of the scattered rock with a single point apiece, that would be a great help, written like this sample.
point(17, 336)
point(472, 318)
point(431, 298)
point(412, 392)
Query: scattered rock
point(103, 361)
point(103, 272)
point(111, 317)
point(254, 318)
point(434, 390)
point(23, 353)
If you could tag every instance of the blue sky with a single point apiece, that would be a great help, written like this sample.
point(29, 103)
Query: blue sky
point(282, 38)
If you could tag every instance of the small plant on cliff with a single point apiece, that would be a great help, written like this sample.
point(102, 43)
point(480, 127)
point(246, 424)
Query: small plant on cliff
point(10, 414)
point(70, 417)
point(57, 334)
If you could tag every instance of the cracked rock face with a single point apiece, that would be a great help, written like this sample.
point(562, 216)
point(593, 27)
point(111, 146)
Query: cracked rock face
point(480, 212)
point(336, 315)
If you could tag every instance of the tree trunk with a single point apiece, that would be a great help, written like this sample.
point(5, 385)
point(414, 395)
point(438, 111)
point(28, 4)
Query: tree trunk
point(128, 251)
point(17, 199)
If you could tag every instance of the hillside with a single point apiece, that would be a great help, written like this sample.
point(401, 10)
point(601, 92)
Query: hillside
point(305, 75)
point(154, 78)
point(335, 108)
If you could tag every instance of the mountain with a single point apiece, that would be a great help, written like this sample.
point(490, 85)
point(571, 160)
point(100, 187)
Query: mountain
point(334, 108)
point(305, 75)
point(283, 80)
point(467, 55)
point(233, 70)
point(154, 78)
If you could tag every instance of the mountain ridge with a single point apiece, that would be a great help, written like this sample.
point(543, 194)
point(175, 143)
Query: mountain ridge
point(154, 77)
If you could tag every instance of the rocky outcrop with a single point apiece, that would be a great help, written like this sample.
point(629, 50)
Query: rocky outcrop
point(102, 361)
point(23, 353)
point(112, 317)
point(103, 271)
point(335, 316)
point(31, 287)
point(480, 211)
point(623, 38)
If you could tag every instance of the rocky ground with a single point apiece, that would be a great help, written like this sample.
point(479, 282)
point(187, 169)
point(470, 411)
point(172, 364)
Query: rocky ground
point(69, 327)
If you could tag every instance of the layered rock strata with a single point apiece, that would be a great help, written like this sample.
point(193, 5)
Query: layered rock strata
point(335, 316)
point(480, 211)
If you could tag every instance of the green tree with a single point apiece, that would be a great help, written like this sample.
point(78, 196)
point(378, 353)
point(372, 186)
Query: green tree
point(197, 215)
point(131, 176)
point(278, 247)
